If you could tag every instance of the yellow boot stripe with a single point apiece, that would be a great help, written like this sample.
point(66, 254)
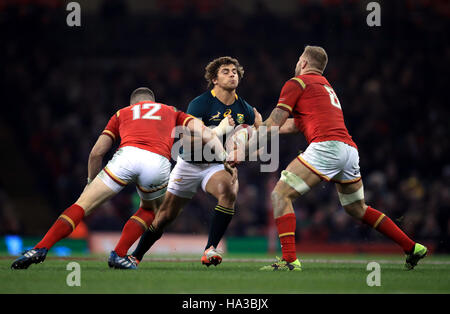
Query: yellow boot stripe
point(69, 220)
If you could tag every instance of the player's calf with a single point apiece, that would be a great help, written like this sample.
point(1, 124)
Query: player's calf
point(356, 210)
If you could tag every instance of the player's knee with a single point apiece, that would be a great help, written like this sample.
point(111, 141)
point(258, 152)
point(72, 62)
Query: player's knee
point(281, 192)
point(149, 205)
point(356, 209)
point(227, 194)
point(275, 196)
point(279, 200)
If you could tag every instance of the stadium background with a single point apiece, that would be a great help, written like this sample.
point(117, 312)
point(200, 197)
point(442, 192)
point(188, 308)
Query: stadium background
point(60, 84)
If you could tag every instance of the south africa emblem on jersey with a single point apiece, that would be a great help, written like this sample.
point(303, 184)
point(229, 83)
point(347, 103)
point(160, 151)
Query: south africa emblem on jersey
point(215, 117)
point(240, 118)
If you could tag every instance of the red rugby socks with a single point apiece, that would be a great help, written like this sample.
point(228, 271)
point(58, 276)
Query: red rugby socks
point(133, 229)
point(386, 226)
point(286, 231)
point(62, 227)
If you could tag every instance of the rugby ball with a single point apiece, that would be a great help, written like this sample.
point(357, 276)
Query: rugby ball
point(239, 137)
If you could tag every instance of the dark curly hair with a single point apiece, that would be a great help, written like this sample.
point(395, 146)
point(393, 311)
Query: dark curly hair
point(212, 68)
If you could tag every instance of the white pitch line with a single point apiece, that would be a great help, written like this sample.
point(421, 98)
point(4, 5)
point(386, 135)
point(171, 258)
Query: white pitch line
point(319, 261)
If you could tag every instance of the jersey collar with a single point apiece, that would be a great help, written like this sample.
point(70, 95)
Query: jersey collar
point(213, 93)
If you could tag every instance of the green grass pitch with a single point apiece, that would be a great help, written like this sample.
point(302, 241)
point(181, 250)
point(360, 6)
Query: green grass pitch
point(238, 274)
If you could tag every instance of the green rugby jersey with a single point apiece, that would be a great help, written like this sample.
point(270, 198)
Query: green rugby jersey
point(211, 111)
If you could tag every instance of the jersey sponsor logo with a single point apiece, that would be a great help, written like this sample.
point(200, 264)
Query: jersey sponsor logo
point(215, 117)
point(227, 113)
point(177, 180)
point(240, 118)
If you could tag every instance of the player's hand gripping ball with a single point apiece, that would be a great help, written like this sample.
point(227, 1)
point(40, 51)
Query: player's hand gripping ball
point(237, 140)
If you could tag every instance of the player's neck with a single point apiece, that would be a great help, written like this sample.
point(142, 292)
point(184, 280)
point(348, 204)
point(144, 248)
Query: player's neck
point(310, 71)
point(228, 97)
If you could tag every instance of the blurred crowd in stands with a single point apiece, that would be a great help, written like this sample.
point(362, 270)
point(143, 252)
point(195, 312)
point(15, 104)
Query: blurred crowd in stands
point(60, 85)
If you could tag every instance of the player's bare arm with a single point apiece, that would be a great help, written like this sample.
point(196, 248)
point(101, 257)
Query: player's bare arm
point(225, 126)
point(289, 127)
point(277, 118)
point(258, 118)
point(208, 136)
point(101, 147)
point(258, 122)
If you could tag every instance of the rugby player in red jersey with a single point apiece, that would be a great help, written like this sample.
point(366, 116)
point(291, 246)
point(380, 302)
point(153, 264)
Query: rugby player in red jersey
point(145, 131)
point(331, 155)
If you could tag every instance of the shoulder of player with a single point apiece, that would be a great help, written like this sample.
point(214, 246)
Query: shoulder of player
point(200, 102)
point(121, 110)
point(162, 105)
point(201, 105)
point(305, 80)
point(299, 80)
point(202, 98)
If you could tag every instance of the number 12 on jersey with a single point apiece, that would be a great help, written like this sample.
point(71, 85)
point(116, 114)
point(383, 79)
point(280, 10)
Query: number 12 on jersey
point(150, 114)
point(333, 97)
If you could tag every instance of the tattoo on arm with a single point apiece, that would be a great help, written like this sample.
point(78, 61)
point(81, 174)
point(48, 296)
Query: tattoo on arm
point(277, 118)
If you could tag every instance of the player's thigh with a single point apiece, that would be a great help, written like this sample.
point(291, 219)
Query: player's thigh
point(285, 191)
point(295, 180)
point(282, 196)
point(119, 171)
point(94, 195)
point(185, 179)
point(351, 196)
point(220, 186)
point(298, 177)
point(152, 204)
point(153, 171)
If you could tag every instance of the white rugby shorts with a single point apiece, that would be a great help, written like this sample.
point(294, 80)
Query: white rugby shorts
point(332, 161)
point(186, 177)
point(149, 171)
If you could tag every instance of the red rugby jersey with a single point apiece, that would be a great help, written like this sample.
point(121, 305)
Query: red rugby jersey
point(316, 109)
point(146, 125)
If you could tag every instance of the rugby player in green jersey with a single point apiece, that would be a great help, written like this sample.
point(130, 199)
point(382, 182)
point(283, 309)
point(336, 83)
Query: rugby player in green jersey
point(220, 108)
